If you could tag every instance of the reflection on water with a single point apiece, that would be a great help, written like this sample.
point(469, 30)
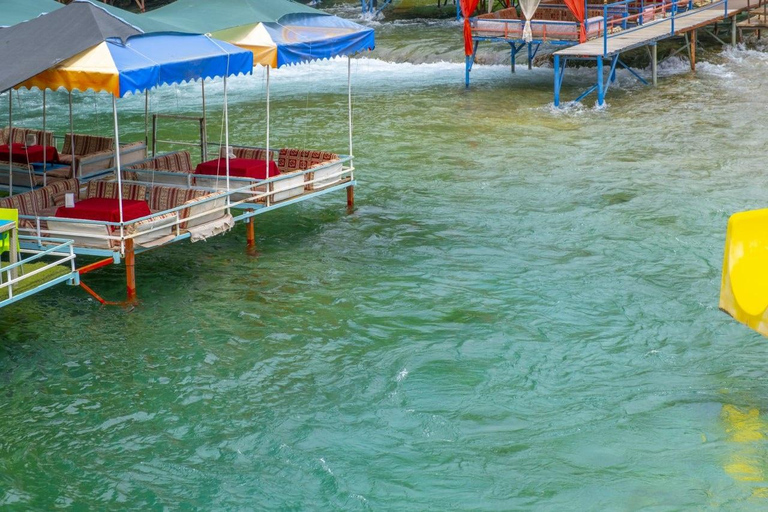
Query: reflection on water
point(748, 462)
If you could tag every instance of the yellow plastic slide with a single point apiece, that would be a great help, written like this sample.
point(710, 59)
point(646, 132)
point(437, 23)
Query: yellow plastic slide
point(744, 288)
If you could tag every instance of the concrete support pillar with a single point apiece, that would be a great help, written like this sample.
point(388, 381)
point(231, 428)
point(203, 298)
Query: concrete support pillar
point(655, 64)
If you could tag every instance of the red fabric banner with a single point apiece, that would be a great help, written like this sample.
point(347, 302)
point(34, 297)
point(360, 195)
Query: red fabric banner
point(577, 8)
point(467, 8)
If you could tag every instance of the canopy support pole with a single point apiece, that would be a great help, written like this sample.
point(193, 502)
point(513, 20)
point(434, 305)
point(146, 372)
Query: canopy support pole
point(126, 246)
point(226, 135)
point(119, 173)
point(44, 142)
point(10, 140)
point(73, 169)
point(351, 188)
point(204, 128)
point(146, 117)
point(268, 154)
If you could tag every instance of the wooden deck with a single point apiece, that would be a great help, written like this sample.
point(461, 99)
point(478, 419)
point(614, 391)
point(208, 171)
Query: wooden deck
point(659, 29)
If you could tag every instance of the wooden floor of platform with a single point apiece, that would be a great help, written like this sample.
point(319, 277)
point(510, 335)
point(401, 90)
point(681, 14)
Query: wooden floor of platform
point(658, 30)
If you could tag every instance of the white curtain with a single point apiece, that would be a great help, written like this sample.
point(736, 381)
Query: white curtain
point(529, 8)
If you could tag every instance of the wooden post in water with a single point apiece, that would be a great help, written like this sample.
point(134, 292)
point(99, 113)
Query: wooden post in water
point(350, 197)
point(655, 64)
point(693, 51)
point(250, 232)
point(130, 271)
point(733, 31)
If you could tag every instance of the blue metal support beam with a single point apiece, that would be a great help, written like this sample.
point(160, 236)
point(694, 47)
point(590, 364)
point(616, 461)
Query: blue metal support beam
point(634, 73)
point(585, 94)
point(514, 49)
point(600, 90)
point(559, 74)
point(558, 80)
point(469, 61)
point(532, 52)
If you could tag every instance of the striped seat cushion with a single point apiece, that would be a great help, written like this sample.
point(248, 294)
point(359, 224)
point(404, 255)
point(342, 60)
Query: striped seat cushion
point(248, 153)
point(28, 203)
point(164, 198)
point(180, 161)
point(86, 144)
point(109, 189)
point(59, 187)
point(20, 135)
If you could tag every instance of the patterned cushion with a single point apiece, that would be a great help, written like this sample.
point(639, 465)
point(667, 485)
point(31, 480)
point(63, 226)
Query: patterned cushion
point(134, 227)
point(86, 144)
point(131, 191)
point(61, 172)
point(28, 203)
point(172, 162)
point(38, 202)
point(164, 198)
point(61, 187)
point(20, 135)
point(249, 153)
point(16, 166)
point(292, 159)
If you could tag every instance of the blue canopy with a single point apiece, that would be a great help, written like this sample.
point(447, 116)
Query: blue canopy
point(146, 61)
point(305, 37)
point(278, 32)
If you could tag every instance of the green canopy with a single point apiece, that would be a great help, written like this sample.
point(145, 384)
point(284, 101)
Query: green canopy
point(16, 11)
point(205, 16)
point(146, 24)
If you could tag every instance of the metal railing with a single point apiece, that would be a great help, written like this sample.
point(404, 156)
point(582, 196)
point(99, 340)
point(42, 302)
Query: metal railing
point(15, 276)
point(250, 193)
point(669, 11)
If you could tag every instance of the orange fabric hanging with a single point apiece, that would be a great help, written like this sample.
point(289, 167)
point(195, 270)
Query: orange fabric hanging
point(577, 8)
point(467, 8)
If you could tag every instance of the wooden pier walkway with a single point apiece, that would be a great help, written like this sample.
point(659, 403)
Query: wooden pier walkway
point(658, 30)
point(647, 35)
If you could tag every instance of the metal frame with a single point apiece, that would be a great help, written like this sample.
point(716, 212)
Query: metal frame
point(603, 82)
point(61, 249)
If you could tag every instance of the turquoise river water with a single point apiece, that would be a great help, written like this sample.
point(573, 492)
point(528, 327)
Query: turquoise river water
point(520, 314)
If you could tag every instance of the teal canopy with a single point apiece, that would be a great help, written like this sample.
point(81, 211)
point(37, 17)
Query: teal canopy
point(146, 24)
point(207, 16)
point(16, 11)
